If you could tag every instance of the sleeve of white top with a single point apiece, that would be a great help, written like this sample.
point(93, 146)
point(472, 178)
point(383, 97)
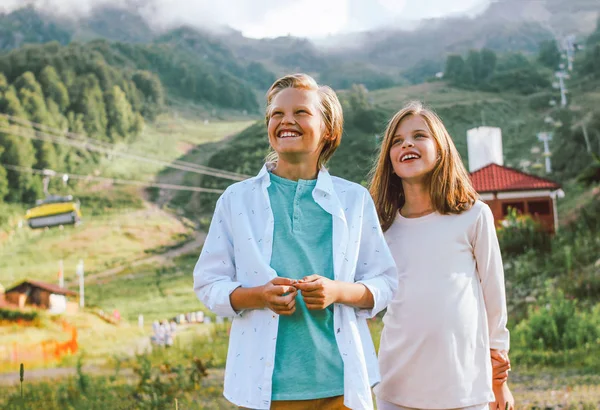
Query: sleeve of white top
point(375, 267)
point(214, 273)
point(491, 273)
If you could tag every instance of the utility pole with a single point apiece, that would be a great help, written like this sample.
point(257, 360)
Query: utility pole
point(61, 274)
point(561, 75)
point(546, 137)
point(568, 44)
point(80, 273)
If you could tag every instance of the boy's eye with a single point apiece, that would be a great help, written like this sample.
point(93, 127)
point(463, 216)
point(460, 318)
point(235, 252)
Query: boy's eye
point(276, 113)
point(301, 112)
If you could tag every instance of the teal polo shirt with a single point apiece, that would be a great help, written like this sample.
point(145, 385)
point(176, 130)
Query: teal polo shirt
point(308, 364)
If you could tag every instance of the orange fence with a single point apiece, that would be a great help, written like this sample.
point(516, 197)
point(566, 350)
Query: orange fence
point(40, 353)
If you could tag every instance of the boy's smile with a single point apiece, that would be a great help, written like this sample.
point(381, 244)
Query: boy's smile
point(296, 125)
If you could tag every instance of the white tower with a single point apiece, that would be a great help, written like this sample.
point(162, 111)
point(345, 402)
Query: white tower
point(484, 147)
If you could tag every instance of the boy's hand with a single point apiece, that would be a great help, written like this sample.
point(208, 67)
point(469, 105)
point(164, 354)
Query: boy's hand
point(279, 295)
point(318, 291)
point(504, 398)
point(500, 366)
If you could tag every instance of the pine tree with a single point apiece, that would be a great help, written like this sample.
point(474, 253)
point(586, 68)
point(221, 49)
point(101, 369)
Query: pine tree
point(54, 87)
point(119, 114)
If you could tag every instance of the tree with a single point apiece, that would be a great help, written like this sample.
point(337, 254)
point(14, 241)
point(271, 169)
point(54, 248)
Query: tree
point(54, 87)
point(153, 92)
point(3, 179)
point(457, 71)
point(87, 99)
point(474, 64)
point(27, 81)
point(119, 114)
point(549, 54)
point(488, 63)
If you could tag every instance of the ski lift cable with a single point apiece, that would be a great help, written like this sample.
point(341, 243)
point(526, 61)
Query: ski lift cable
point(19, 168)
point(37, 135)
point(107, 145)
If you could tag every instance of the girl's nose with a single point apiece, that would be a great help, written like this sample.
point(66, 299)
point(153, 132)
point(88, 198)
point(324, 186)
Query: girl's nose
point(407, 144)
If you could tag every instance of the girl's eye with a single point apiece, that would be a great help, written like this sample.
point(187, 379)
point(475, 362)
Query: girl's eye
point(301, 112)
point(419, 136)
point(276, 113)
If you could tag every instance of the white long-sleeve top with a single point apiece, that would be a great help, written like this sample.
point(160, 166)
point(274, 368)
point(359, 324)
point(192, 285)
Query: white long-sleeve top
point(449, 310)
point(237, 252)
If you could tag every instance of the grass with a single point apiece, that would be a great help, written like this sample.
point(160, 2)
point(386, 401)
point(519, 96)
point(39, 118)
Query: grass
point(157, 292)
point(170, 137)
point(101, 242)
point(156, 379)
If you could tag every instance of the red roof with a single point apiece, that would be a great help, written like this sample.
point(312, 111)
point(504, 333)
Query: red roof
point(498, 178)
point(46, 286)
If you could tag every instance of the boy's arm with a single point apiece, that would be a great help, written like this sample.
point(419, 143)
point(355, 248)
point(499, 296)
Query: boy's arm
point(486, 250)
point(375, 268)
point(214, 273)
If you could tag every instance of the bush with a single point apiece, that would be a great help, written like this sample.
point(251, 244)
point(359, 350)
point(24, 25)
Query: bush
point(556, 324)
point(520, 233)
point(101, 202)
point(13, 315)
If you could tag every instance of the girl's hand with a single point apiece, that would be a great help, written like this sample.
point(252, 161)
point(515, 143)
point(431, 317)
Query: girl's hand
point(279, 295)
point(500, 366)
point(318, 291)
point(504, 398)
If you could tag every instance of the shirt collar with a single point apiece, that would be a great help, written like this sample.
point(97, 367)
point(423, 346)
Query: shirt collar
point(324, 181)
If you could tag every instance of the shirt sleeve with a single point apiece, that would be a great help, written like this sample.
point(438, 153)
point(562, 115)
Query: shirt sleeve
point(486, 250)
point(375, 267)
point(214, 273)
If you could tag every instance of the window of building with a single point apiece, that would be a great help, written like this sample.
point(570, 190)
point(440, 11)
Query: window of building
point(539, 207)
point(519, 206)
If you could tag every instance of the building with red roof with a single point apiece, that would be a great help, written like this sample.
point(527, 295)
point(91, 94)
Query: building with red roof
point(41, 295)
point(503, 188)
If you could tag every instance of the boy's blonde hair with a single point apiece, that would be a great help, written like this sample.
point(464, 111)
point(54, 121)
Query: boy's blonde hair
point(449, 183)
point(329, 105)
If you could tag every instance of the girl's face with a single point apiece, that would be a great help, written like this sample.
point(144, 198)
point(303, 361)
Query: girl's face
point(414, 151)
point(295, 124)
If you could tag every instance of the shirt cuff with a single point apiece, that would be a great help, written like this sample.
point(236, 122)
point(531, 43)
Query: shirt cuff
point(375, 290)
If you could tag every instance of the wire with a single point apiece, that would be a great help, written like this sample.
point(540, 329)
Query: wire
point(113, 147)
point(116, 180)
point(84, 145)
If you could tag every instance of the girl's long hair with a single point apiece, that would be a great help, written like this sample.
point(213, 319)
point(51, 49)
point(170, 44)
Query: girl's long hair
point(449, 183)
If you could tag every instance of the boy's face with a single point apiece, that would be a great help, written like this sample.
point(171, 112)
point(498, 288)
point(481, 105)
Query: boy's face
point(295, 125)
point(414, 150)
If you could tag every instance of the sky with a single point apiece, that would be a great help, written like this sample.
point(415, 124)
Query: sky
point(271, 18)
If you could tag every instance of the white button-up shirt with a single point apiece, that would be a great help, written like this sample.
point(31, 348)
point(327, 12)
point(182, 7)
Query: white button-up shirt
point(237, 252)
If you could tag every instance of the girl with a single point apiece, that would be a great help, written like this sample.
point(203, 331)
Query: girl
point(298, 258)
point(450, 307)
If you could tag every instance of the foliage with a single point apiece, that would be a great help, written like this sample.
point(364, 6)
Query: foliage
point(483, 70)
point(103, 201)
point(556, 328)
point(343, 76)
point(27, 26)
point(520, 234)
point(14, 315)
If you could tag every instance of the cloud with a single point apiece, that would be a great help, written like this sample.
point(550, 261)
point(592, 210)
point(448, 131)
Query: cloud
point(261, 18)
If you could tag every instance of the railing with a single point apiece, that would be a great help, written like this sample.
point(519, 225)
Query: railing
point(41, 353)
